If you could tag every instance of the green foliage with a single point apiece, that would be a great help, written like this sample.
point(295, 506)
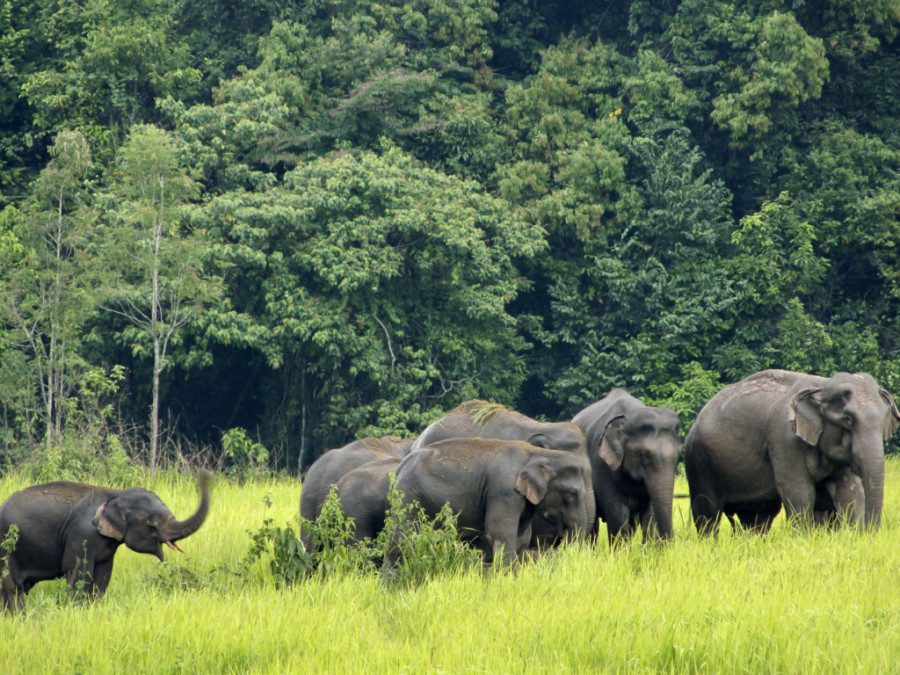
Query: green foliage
point(243, 452)
point(427, 547)
point(413, 203)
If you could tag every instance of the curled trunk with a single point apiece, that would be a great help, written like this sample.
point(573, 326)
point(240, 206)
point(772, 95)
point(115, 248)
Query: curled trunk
point(179, 529)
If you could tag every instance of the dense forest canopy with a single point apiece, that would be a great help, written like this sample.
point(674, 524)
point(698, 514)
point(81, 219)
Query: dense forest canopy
point(275, 226)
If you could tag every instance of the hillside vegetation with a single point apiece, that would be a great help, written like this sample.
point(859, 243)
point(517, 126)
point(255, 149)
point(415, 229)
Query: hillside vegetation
point(244, 234)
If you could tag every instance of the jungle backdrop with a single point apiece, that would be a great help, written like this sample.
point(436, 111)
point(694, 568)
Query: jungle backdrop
point(267, 228)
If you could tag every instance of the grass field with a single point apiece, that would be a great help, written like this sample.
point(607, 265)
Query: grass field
point(791, 602)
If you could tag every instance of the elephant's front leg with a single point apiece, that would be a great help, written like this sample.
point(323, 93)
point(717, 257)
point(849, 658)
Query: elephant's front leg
point(502, 526)
point(798, 495)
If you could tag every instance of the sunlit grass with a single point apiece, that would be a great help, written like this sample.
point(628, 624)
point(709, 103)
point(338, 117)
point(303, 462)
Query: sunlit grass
point(791, 602)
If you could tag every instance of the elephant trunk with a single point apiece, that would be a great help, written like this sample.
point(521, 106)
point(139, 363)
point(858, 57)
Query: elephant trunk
point(872, 474)
point(661, 489)
point(179, 529)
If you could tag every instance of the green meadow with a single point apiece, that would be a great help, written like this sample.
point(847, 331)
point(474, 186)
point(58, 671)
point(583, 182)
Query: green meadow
point(792, 602)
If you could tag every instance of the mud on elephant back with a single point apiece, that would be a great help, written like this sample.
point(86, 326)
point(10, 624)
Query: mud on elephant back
point(483, 419)
point(496, 488)
point(73, 530)
point(814, 445)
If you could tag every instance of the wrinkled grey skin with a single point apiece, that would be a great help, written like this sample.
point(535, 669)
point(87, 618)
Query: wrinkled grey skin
point(328, 469)
point(633, 450)
point(812, 444)
point(73, 530)
point(480, 419)
point(496, 488)
point(363, 494)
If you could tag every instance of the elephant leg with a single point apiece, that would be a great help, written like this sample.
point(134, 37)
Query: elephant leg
point(759, 518)
point(619, 525)
point(502, 527)
point(799, 499)
point(11, 593)
point(706, 515)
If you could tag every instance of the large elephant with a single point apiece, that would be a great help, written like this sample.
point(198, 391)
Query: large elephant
point(73, 530)
point(328, 469)
point(777, 438)
point(633, 450)
point(496, 488)
point(481, 419)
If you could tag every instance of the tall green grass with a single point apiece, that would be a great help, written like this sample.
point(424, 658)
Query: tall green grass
point(791, 602)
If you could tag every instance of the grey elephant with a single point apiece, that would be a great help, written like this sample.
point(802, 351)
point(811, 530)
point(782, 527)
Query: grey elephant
point(777, 438)
point(633, 449)
point(73, 530)
point(482, 419)
point(495, 487)
point(328, 469)
point(363, 494)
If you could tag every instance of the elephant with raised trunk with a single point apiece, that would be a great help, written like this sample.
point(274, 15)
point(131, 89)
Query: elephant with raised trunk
point(496, 488)
point(811, 444)
point(633, 450)
point(482, 419)
point(73, 530)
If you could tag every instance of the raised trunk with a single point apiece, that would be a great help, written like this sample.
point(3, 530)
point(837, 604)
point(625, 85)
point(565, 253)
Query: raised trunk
point(179, 529)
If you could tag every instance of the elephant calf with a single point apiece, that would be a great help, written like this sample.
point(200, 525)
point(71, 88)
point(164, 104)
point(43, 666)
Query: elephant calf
point(496, 488)
point(73, 530)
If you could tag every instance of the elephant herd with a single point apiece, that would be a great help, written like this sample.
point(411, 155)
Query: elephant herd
point(777, 439)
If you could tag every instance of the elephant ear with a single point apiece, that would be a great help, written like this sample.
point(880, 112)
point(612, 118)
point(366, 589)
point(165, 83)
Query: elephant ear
point(805, 414)
point(892, 419)
point(533, 482)
point(612, 444)
point(109, 521)
point(540, 440)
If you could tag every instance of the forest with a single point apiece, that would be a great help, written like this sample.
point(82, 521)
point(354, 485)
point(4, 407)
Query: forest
point(245, 233)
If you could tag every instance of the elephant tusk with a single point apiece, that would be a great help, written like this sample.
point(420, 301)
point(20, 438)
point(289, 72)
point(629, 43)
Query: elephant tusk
point(172, 544)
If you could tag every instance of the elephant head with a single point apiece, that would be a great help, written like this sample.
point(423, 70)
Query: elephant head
point(848, 418)
point(555, 485)
point(139, 519)
point(643, 446)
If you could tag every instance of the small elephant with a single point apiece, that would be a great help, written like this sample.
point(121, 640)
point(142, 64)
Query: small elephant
point(363, 494)
point(328, 469)
point(633, 450)
point(482, 419)
point(812, 444)
point(496, 488)
point(73, 530)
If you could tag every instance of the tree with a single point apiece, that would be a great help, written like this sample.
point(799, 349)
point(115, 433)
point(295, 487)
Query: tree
point(158, 286)
point(47, 276)
point(378, 287)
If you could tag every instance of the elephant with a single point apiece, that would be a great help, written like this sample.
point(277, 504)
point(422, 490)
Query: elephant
point(363, 494)
point(633, 449)
point(328, 469)
point(814, 445)
point(73, 530)
point(495, 487)
point(483, 419)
